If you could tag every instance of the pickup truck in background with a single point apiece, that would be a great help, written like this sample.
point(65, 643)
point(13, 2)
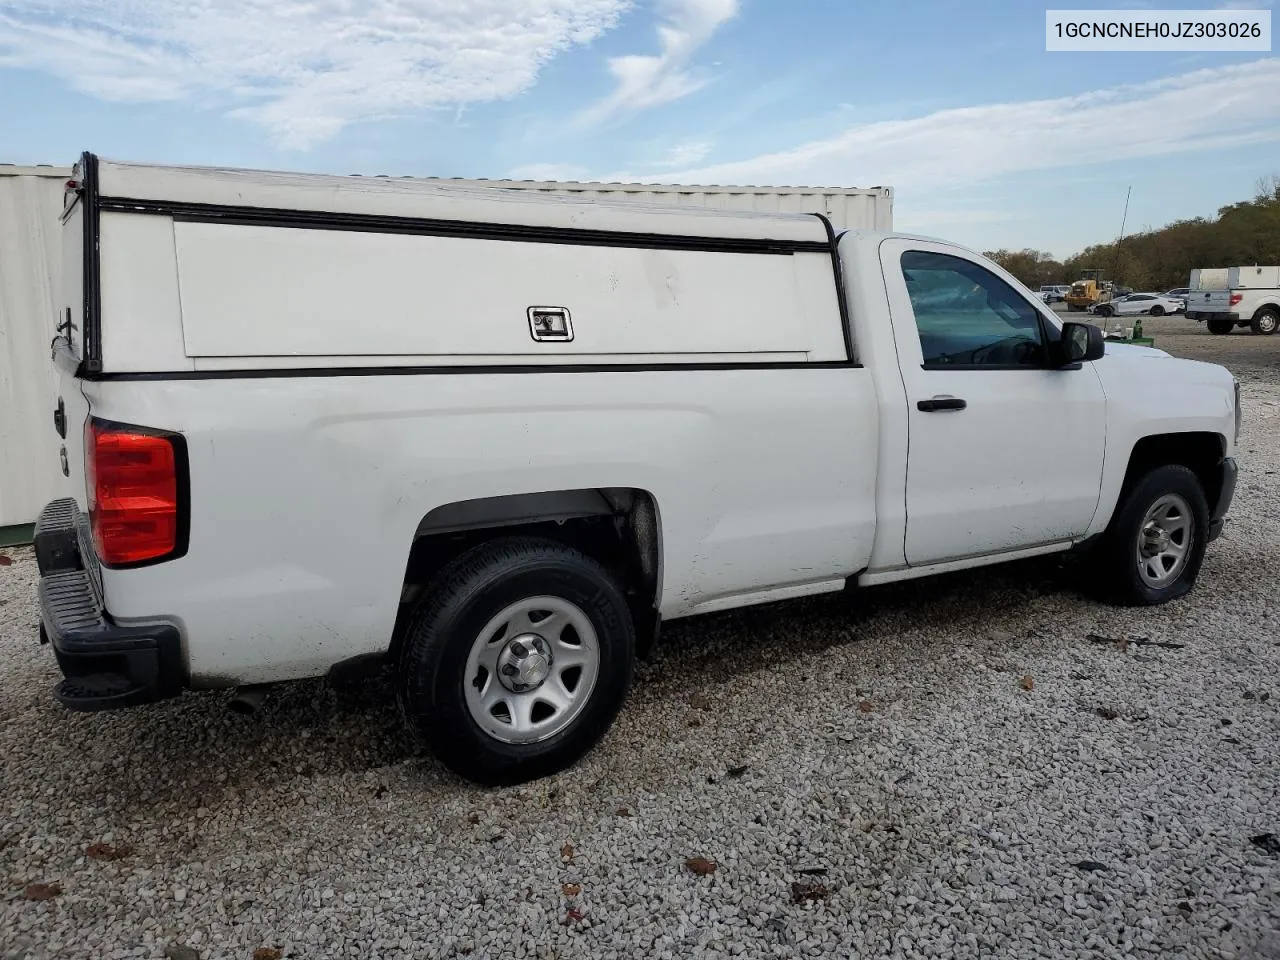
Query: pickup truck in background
point(1251, 298)
point(495, 441)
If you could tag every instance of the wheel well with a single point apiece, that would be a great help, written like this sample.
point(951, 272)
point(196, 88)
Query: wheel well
point(1200, 452)
point(1266, 308)
point(617, 526)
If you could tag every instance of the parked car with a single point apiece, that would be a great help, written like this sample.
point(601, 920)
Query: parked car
point(364, 451)
point(1178, 293)
point(1054, 293)
point(1155, 304)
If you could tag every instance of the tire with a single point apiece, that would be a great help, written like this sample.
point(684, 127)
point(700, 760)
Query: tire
point(1157, 311)
point(1104, 311)
point(444, 649)
point(1220, 325)
point(1265, 321)
point(1122, 573)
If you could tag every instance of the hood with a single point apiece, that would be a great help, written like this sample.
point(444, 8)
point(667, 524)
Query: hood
point(1116, 348)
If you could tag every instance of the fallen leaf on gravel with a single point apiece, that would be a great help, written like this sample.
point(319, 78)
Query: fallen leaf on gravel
point(1120, 642)
point(866, 706)
point(573, 916)
point(567, 851)
point(1106, 713)
point(473, 819)
point(803, 890)
point(5, 560)
point(104, 851)
point(1026, 683)
point(701, 866)
point(571, 889)
point(700, 701)
point(268, 953)
point(736, 772)
point(623, 812)
point(179, 951)
point(1268, 843)
point(1090, 865)
point(42, 891)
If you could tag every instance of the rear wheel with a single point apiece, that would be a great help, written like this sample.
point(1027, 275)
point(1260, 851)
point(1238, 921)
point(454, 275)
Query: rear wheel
point(1220, 325)
point(1104, 311)
point(1153, 550)
point(1266, 320)
point(517, 661)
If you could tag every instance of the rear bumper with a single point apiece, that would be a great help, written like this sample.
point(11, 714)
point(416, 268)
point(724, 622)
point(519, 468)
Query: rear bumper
point(1202, 315)
point(105, 665)
point(1217, 518)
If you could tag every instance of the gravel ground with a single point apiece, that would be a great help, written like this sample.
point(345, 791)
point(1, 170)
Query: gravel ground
point(951, 768)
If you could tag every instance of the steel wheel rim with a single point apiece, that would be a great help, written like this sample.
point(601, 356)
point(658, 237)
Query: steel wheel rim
point(546, 644)
point(1165, 539)
point(1266, 323)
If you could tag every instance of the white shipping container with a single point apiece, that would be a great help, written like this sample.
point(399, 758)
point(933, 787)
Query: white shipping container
point(1212, 278)
point(1253, 278)
point(852, 208)
point(30, 258)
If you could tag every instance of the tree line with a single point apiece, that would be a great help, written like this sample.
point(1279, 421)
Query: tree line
point(1242, 233)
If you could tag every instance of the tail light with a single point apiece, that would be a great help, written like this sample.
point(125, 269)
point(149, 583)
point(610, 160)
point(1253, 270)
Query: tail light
point(137, 489)
point(1236, 298)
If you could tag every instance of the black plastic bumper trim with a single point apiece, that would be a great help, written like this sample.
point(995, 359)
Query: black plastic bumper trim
point(106, 665)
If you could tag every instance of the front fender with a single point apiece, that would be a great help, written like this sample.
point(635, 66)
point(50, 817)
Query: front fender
point(1149, 393)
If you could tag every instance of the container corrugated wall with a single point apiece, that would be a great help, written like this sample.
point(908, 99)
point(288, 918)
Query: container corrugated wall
point(30, 255)
point(854, 208)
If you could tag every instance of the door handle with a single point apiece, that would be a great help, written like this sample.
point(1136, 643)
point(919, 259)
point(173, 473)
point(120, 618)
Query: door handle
point(940, 403)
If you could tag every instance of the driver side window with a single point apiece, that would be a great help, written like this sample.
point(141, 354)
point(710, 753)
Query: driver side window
point(966, 316)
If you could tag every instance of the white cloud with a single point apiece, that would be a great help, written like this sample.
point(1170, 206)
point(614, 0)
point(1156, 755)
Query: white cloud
point(683, 154)
point(1206, 109)
point(303, 69)
point(650, 80)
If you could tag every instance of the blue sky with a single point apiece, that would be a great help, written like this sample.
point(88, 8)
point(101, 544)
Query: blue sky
point(986, 138)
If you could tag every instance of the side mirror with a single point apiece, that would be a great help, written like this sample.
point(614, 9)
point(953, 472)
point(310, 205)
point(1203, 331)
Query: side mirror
point(1080, 343)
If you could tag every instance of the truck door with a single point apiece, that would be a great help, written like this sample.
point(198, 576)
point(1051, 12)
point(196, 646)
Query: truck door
point(1004, 452)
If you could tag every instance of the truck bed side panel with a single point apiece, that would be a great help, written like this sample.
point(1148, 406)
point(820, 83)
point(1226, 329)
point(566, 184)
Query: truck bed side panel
point(306, 492)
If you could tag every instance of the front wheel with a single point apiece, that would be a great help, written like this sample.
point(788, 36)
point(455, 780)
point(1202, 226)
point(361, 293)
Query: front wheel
point(517, 661)
point(1104, 311)
point(1157, 311)
point(1265, 321)
point(1153, 550)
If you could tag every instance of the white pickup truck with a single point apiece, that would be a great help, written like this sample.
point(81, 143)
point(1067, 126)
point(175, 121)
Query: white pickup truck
point(494, 441)
point(1251, 298)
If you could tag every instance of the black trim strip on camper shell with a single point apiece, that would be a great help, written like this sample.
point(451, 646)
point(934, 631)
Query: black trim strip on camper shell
point(284, 373)
point(91, 364)
point(467, 229)
point(833, 242)
point(91, 336)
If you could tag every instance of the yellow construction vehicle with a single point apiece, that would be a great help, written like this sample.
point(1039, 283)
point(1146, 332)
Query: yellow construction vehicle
point(1088, 290)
